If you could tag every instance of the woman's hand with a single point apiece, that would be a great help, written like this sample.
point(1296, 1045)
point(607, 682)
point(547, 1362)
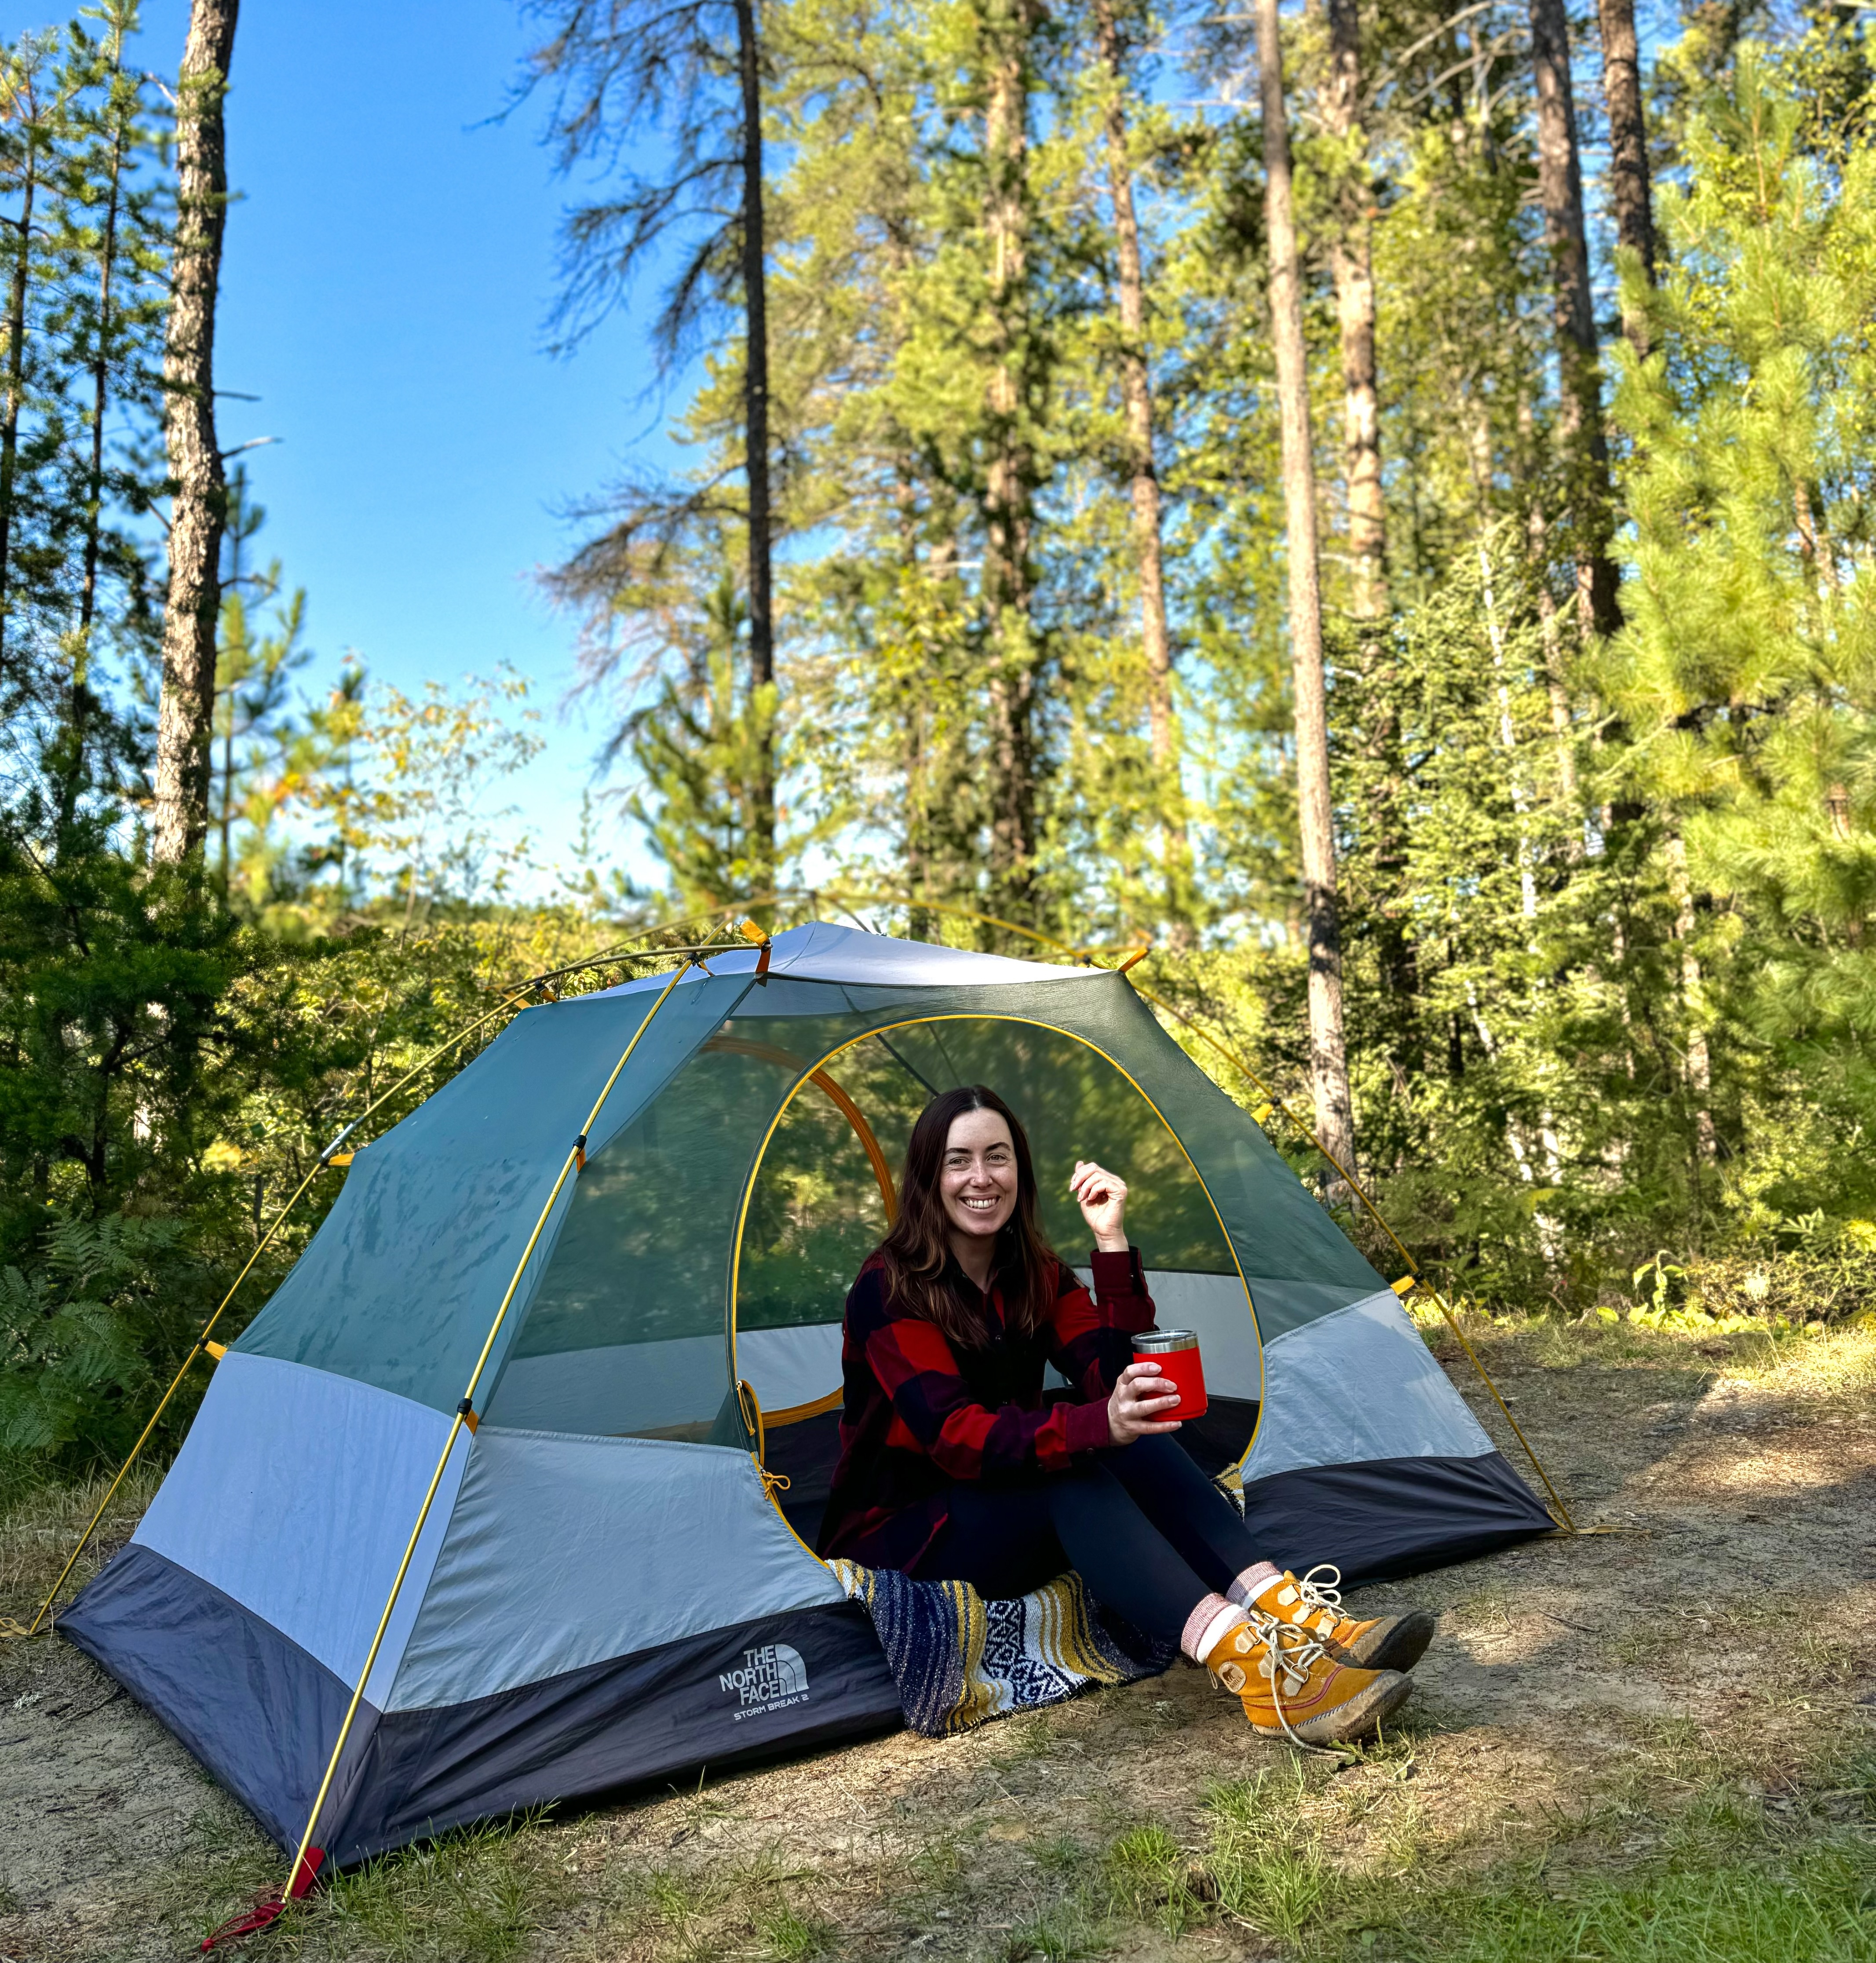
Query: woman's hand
point(1140, 1397)
point(1102, 1199)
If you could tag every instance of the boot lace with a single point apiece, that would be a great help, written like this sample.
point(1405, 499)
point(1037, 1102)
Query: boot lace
point(1291, 1653)
point(1321, 1597)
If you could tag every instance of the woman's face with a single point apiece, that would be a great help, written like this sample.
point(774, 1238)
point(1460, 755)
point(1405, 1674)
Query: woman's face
point(979, 1182)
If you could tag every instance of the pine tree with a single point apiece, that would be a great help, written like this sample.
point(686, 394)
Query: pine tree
point(1746, 676)
point(691, 76)
point(198, 502)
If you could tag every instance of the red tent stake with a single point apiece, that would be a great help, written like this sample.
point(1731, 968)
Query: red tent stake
point(270, 1907)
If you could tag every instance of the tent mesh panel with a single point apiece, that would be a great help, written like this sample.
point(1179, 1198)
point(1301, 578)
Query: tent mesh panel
point(643, 1263)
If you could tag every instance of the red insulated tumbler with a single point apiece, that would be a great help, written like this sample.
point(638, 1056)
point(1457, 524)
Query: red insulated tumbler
point(1176, 1353)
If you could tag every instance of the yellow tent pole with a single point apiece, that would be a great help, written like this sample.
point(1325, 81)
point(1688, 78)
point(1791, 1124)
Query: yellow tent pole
point(330, 1156)
point(12, 1629)
point(1452, 1322)
point(465, 1413)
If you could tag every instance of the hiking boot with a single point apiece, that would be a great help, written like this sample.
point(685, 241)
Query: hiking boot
point(1291, 1686)
point(1386, 1642)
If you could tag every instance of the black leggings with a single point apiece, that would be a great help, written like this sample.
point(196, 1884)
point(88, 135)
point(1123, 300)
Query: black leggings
point(1146, 1530)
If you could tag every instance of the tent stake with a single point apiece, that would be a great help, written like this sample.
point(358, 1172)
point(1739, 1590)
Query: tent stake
point(467, 1405)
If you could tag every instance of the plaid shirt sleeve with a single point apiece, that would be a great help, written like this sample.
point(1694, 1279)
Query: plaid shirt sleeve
point(934, 1413)
point(1091, 1337)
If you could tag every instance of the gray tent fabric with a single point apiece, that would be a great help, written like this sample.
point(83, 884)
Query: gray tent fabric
point(611, 1562)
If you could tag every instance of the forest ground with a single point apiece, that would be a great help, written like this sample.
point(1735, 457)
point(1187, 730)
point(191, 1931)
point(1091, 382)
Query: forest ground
point(1659, 1744)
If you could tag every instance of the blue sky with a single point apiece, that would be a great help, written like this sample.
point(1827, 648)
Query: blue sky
point(388, 273)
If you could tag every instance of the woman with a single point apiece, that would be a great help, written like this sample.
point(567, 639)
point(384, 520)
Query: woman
point(953, 1468)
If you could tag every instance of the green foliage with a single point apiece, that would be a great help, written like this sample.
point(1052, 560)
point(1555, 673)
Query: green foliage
point(1747, 672)
point(80, 1329)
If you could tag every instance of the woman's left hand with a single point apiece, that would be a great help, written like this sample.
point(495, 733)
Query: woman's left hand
point(1102, 1196)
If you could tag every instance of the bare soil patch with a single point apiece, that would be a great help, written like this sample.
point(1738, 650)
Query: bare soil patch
point(1592, 1708)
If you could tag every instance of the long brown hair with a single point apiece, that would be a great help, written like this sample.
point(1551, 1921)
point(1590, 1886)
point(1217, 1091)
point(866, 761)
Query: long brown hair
point(916, 1250)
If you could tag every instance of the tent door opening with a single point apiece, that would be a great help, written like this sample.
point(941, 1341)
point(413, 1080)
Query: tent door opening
point(818, 1200)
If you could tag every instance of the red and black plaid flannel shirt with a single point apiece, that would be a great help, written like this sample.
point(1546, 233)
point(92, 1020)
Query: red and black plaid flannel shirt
point(920, 1415)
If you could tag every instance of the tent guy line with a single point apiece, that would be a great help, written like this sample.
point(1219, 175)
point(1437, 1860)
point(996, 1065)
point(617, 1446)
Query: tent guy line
point(1137, 952)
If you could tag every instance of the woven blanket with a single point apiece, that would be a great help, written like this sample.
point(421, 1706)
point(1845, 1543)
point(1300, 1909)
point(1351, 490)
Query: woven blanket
point(959, 1659)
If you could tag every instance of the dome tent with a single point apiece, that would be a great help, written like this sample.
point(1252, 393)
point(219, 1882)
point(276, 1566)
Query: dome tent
point(607, 1587)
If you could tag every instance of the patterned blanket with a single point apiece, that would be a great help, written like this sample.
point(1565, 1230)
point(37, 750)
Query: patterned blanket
point(960, 1659)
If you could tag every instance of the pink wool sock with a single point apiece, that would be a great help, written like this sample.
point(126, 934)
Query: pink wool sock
point(1208, 1624)
point(1252, 1582)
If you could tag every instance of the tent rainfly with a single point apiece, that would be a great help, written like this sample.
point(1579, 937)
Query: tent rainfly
point(613, 1583)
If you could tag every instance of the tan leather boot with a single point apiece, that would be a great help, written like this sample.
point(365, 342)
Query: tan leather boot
point(1386, 1642)
point(1292, 1686)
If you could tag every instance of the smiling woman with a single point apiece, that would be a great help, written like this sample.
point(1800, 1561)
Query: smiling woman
point(955, 1467)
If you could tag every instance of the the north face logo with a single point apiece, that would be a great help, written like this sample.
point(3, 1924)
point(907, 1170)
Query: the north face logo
point(769, 1678)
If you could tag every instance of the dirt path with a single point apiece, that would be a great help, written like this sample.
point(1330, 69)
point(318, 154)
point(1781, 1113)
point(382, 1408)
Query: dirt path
point(1576, 1688)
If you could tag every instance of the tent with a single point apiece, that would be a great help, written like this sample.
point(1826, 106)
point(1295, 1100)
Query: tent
point(613, 1583)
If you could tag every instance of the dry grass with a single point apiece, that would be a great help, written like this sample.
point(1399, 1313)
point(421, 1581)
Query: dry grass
point(38, 1531)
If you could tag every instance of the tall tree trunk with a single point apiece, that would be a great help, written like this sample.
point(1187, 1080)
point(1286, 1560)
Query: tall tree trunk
point(1351, 261)
point(1329, 1071)
point(21, 107)
point(1580, 407)
point(1628, 150)
point(199, 505)
point(756, 436)
point(101, 364)
point(1142, 472)
point(1009, 488)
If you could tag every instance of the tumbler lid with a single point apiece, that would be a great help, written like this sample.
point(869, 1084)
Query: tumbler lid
point(1158, 1342)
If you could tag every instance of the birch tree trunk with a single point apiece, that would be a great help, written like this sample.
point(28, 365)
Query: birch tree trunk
point(1010, 489)
point(756, 447)
point(1580, 408)
point(1335, 1124)
point(1629, 190)
point(1144, 482)
point(198, 503)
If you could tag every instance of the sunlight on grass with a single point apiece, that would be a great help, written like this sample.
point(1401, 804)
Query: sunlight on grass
point(788, 1937)
point(1818, 1909)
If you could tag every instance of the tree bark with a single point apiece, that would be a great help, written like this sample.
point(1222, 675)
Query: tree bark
point(1628, 150)
point(199, 504)
point(1142, 472)
point(100, 365)
point(1328, 1072)
point(756, 436)
point(1351, 261)
point(1580, 407)
point(1009, 488)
